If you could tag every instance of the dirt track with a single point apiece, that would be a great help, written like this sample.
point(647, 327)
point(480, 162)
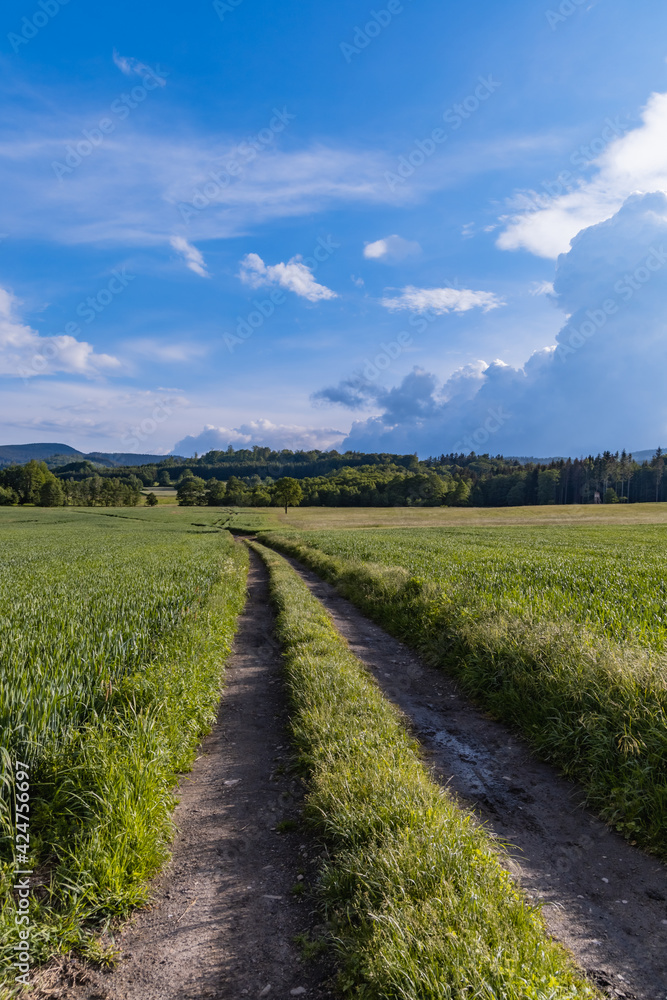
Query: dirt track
point(224, 918)
point(605, 900)
point(224, 915)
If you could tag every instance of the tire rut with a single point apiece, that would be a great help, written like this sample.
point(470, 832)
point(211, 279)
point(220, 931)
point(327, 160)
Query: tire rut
point(223, 916)
point(603, 899)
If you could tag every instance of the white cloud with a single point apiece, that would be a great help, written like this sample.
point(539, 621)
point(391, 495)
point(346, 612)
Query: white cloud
point(192, 256)
point(542, 288)
point(260, 432)
point(132, 67)
point(145, 181)
point(391, 248)
point(179, 352)
point(295, 276)
point(600, 387)
point(442, 300)
point(634, 162)
point(92, 416)
point(25, 354)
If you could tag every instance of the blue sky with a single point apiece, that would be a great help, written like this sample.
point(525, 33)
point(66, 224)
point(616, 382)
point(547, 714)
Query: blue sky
point(252, 222)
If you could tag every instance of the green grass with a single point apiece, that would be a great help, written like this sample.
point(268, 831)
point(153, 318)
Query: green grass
point(560, 631)
point(326, 518)
point(419, 902)
point(114, 628)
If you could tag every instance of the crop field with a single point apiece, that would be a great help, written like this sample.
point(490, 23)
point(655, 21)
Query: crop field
point(559, 630)
point(323, 518)
point(420, 904)
point(115, 626)
point(113, 630)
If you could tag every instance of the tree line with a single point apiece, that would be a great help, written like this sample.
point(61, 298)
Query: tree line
point(606, 478)
point(451, 480)
point(379, 481)
point(35, 483)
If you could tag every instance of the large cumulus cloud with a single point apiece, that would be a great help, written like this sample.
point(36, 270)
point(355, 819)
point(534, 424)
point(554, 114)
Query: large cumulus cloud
point(259, 432)
point(602, 385)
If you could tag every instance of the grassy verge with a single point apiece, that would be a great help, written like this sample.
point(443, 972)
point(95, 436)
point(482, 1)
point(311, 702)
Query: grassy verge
point(102, 793)
point(595, 708)
point(420, 904)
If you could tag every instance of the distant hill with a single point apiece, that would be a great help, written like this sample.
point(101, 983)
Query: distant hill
point(55, 454)
point(639, 456)
point(123, 458)
point(24, 452)
point(644, 456)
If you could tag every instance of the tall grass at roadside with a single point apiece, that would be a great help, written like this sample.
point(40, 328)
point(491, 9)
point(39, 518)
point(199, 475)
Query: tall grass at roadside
point(560, 632)
point(420, 904)
point(111, 717)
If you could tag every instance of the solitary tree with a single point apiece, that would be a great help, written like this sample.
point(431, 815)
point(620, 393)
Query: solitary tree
point(287, 492)
point(151, 500)
point(192, 492)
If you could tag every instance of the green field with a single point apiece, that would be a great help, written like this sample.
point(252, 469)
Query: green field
point(417, 899)
point(321, 518)
point(114, 627)
point(559, 630)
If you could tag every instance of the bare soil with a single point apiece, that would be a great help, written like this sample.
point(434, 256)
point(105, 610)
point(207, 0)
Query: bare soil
point(225, 912)
point(605, 900)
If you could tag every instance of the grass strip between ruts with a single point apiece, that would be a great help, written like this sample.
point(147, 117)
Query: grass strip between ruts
point(414, 889)
point(595, 708)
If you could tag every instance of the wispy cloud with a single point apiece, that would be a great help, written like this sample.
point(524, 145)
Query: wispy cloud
point(295, 276)
point(92, 415)
point(133, 194)
point(191, 255)
point(542, 288)
point(132, 67)
point(442, 300)
point(175, 352)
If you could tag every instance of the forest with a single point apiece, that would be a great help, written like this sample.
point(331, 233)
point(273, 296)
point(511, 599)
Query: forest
point(248, 478)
